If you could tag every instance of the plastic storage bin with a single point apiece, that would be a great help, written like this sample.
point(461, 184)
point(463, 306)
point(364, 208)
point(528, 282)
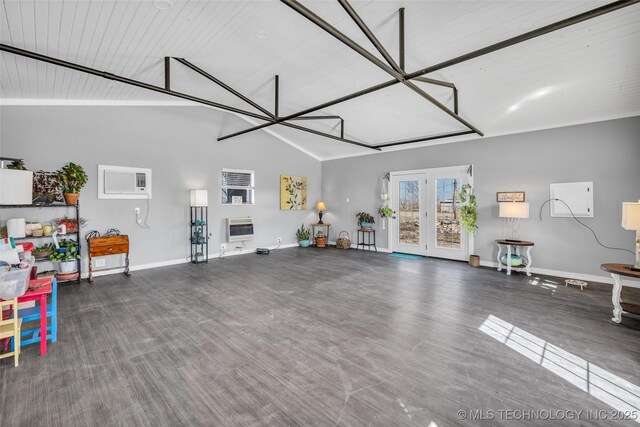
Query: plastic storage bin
point(14, 283)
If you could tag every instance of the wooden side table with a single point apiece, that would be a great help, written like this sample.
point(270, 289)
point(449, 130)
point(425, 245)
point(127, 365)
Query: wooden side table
point(517, 245)
point(360, 240)
point(111, 245)
point(325, 227)
point(618, 271)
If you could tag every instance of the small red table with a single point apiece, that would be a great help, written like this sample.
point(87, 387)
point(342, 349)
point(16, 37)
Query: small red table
point(41, 295)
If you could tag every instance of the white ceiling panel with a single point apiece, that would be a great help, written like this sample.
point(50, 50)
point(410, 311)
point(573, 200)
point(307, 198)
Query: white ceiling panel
point(587, 72)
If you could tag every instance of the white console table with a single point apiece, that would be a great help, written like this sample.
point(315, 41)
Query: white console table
point(622, 276)
point(517, 244)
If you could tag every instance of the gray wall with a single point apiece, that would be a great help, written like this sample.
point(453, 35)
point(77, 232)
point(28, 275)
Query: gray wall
point(179, 145)
point(606, 153)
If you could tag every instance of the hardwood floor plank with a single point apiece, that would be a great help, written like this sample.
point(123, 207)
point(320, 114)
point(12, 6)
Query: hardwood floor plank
point(312, 337)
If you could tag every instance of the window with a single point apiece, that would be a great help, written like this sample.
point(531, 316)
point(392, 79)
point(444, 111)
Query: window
point(237, 186)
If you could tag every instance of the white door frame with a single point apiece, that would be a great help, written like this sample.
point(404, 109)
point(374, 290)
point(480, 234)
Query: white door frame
point(416, 171)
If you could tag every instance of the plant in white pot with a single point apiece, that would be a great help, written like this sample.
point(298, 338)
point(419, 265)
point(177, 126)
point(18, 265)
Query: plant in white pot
point(67, 259)
point(469, 215)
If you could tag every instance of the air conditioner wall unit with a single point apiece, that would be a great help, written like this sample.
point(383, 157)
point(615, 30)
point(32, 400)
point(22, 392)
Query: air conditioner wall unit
point(239, 229)
point(121, 182)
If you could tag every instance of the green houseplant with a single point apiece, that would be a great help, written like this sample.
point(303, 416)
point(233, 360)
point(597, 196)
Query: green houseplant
point(72, 177)
point(385, 212)
point(67, 259)
point(469, 215)
point(303, 234)
point(365, 220)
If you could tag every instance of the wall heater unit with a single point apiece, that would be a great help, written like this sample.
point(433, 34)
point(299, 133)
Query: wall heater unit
point(239, 229)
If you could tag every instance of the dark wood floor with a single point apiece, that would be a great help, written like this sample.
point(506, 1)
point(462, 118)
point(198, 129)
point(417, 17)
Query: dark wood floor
point(311, 337)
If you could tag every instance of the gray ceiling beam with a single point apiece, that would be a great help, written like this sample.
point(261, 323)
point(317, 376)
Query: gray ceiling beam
point(369, 34)
point(125, 80)
point(401, 37)
point(295, 5)
point(225, 86)
point(81, 68)
point(564, 23)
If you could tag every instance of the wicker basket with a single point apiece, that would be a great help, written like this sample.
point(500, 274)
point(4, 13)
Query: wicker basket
point(343, 242)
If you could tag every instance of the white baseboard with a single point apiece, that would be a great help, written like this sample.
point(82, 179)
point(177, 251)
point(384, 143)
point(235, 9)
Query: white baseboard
point(564, 274)
point(185, 260)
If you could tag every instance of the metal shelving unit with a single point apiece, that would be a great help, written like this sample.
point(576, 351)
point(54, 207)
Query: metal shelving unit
point(199, 234)
point(75, 234)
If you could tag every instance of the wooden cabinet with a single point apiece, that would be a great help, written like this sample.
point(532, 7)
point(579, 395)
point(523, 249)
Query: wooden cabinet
point(105, 246)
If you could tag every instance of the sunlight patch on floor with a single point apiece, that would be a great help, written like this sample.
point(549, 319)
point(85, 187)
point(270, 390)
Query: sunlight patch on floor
point(599, 383)
point(543, 283)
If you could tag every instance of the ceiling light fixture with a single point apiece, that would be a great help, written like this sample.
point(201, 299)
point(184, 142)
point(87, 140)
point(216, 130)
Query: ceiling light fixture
point(163, 4)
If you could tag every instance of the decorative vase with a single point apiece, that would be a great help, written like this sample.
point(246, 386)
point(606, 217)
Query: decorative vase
point(321, 242)
point(304, 243)
point(71, 198)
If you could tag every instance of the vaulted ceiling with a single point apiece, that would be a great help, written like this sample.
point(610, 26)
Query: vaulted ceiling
point(587, 72)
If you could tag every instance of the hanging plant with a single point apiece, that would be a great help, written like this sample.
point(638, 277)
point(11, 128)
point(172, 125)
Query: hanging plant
point(385, 211)
point(468, 208)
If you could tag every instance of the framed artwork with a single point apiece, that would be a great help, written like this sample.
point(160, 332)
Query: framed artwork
point(510, 196)
point(293, 192)
point(47, 188)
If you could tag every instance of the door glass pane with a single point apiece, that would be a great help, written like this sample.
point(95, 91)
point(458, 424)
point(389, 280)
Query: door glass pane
point(409, 212)
point(447, 213)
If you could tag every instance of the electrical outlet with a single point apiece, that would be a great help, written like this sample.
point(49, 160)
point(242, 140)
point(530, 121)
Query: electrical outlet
point(137, 211)
point(100, 262)
point(223, 246)
point(278, 240)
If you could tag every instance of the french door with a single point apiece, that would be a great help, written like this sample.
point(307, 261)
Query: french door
point(409, 202)
point(427, 220)
point(447, 237)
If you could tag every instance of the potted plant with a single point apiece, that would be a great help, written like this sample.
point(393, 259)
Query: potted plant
point(200, 257)
point(73, 178)
point(365, 220)
point(321, 239)
point(70, 223)
point(469, 215)
point(303, 235)
point(67, 259)
point(42, 252)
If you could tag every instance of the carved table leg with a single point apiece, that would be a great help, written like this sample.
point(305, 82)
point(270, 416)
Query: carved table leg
point(528, 260)
point(508, 260)
point(615, 298)
point(499, 253)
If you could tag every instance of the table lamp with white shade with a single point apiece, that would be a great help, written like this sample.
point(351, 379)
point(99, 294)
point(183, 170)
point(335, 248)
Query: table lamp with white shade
point(320, 207)
point(513, 211)
point(631, 221)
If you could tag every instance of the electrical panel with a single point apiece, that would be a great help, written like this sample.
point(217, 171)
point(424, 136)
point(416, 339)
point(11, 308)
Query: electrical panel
point(572, 197)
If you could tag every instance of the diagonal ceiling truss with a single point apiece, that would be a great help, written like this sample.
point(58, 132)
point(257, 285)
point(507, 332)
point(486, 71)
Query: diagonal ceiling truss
point(389, 65)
